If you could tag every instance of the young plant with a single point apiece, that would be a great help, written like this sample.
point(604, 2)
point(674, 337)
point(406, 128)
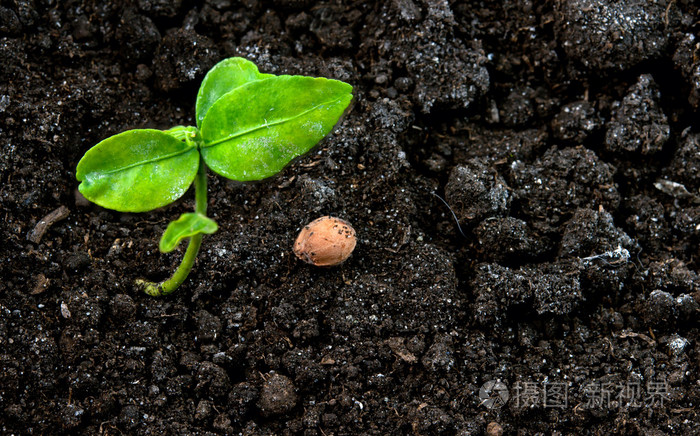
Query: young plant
point(250, 125)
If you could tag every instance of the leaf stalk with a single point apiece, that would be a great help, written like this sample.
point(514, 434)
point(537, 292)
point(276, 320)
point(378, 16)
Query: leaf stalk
point(168, 286)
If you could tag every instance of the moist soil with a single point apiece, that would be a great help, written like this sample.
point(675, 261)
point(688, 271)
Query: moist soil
point(523, 177)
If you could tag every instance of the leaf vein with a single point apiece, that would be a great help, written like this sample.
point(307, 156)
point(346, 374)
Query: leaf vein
point(268, 125)
point(158, 159)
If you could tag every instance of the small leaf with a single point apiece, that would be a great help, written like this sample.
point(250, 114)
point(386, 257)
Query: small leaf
point(182, 133)
point(137, 170)
point(223, 78)
point(255, 130)
point(188, 225)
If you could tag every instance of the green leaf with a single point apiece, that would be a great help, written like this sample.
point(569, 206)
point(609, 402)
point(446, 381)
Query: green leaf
point(255, 130)
point(182, 133)
point(188, 225)
point(137, 170)
point(223, 78)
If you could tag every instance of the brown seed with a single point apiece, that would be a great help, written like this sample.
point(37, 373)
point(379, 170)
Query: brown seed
point(326, 241)
point(494, 429)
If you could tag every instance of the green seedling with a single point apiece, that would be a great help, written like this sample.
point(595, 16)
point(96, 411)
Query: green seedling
point(250, 125)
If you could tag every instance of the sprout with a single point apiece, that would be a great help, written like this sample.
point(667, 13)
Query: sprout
point(249, 127)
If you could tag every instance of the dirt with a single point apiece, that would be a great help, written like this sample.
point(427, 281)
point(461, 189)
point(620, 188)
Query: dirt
point(554, 291)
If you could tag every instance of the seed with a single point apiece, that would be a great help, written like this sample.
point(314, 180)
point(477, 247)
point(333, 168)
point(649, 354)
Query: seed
point(326, 241)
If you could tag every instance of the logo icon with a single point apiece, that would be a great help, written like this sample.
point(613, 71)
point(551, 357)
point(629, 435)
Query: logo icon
point(494, 394)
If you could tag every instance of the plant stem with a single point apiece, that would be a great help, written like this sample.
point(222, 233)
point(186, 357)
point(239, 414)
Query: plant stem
point(168, 286)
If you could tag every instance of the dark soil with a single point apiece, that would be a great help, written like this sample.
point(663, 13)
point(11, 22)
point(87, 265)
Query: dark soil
point(564, 136)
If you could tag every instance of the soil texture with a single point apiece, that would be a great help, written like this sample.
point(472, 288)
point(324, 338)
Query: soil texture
point(523, 178)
